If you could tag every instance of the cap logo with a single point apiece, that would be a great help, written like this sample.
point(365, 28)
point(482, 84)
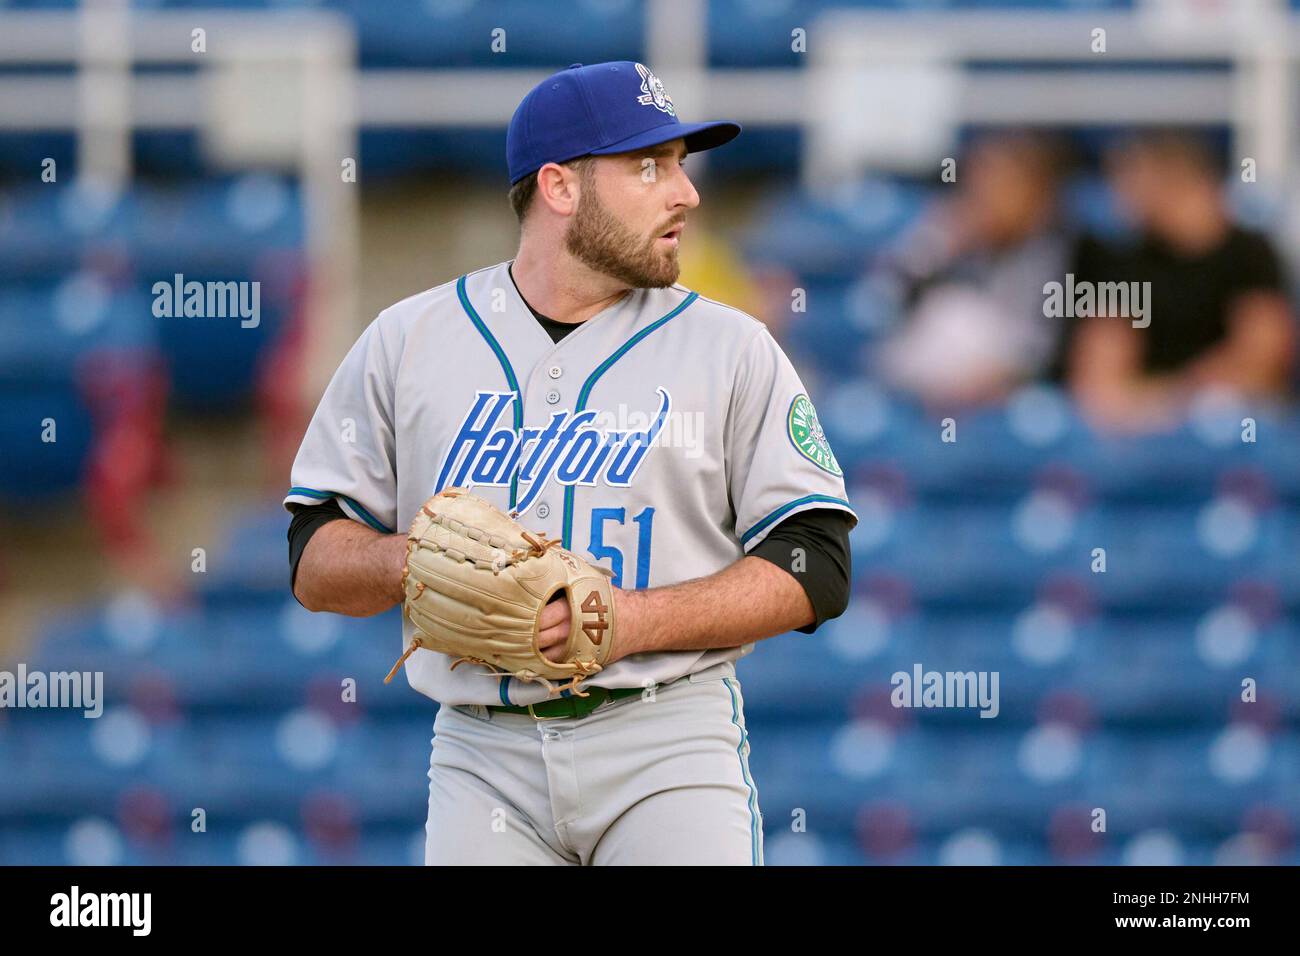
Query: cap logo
point(653, 92)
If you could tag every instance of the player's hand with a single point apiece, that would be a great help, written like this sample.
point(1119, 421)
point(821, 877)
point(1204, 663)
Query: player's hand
point(554, 631)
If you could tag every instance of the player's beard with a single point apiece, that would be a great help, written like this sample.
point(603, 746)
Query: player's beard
point(598, 239)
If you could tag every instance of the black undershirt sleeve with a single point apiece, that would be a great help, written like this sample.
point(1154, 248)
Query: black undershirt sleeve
point(823, 536)
point(307, 520)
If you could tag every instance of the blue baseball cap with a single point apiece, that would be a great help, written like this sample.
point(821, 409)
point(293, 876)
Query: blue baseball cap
point(597, 110)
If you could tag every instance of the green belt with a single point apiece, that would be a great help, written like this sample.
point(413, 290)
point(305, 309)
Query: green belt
point(567, 707)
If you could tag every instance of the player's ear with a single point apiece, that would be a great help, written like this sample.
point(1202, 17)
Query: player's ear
point(558, 188)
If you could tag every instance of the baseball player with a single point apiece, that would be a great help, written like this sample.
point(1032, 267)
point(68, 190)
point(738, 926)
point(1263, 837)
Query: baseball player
point(657, 434)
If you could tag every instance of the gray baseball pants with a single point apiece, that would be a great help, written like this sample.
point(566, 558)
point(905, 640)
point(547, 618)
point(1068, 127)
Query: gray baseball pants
point(659, 779)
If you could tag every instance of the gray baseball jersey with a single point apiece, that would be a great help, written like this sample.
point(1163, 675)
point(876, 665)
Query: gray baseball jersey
point(663, 439)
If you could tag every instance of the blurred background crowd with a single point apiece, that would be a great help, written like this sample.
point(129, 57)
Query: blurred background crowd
point(1098, 499)
point(971, 282)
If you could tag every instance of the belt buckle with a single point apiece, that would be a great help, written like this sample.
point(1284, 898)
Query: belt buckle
point(605, 693)
point(533, 714)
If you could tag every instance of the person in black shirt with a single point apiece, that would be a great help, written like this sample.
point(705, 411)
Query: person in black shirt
point(1216, 312)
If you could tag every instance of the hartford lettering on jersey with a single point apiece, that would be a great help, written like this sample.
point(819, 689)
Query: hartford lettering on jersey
point(133, 910)
point(487, 449)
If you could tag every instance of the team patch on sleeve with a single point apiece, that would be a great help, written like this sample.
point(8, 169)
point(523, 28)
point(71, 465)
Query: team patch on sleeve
point(808, 438)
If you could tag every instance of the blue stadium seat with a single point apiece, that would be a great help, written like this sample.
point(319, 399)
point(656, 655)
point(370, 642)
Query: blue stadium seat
point(831, 237)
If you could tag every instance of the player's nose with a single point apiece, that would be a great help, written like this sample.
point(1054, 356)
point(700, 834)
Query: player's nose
point(685, 194)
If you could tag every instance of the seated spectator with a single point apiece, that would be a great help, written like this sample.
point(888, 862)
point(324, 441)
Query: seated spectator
point(1216, 312)
point(971, 275)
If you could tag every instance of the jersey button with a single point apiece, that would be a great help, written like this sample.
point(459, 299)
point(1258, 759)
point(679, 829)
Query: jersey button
point(543, 510)
point(552, 396)
point(555, 371)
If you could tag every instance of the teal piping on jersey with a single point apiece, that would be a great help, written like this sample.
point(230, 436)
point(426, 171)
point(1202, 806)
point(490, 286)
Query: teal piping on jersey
point(590, 383)
point(744, 772)
point(366, 516)
point(511, 380)
point(785, 509)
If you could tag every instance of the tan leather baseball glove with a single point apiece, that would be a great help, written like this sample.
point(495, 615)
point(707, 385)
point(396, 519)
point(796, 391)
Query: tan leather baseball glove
point(476, 582)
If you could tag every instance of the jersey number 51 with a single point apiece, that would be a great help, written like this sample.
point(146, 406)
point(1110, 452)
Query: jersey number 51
point(599, 550)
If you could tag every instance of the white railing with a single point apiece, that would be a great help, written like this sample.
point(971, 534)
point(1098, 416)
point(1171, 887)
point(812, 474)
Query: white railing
point(889, 90)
